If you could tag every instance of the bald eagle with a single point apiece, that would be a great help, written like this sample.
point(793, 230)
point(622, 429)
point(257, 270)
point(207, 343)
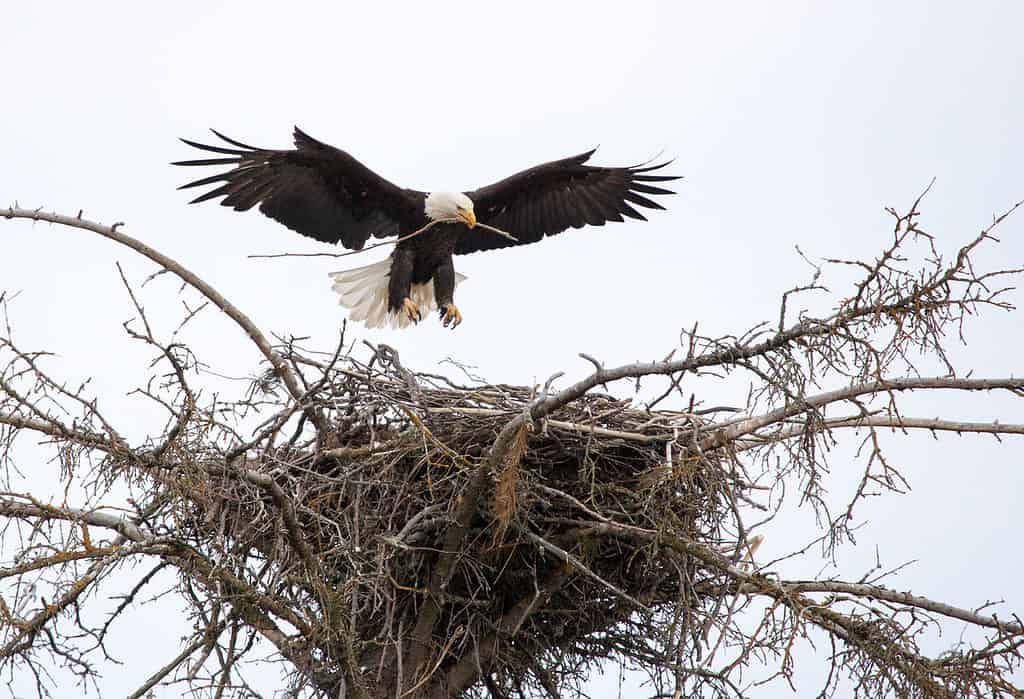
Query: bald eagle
point(324, 193)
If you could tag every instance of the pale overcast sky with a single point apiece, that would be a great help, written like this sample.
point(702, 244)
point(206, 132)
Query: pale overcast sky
point(794, 124)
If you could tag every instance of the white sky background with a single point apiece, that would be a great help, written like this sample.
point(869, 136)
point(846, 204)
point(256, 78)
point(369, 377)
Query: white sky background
point(794, 123)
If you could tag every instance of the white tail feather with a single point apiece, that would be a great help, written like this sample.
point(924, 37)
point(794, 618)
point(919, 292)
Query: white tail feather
point(364, 291)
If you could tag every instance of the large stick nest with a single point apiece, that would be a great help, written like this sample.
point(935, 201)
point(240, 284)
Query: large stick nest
point(538, 562)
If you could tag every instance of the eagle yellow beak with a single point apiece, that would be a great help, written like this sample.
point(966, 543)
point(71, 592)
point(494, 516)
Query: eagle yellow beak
point(468, 217)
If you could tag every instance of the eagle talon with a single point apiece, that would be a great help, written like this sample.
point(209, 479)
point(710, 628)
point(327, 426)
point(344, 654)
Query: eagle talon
point(450, 314)
point(411, 310)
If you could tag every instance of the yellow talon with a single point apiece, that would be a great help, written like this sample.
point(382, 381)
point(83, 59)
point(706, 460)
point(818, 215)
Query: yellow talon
point(450, 314)
point(411, 310)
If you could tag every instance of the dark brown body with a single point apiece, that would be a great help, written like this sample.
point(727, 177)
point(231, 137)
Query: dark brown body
point(425, 258)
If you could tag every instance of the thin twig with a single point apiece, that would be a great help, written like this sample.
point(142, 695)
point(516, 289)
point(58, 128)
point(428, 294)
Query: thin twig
point(396, 241)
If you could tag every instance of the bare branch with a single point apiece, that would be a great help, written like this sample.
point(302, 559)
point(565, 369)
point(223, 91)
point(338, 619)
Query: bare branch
point(111, 232)
point(436, 539)
point(10, 507)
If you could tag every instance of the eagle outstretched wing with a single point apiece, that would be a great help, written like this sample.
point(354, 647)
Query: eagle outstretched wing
point(316, 190)
point(550, 198)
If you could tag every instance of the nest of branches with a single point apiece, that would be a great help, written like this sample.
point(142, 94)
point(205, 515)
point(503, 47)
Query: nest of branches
point(553, 571)
point(393, 534)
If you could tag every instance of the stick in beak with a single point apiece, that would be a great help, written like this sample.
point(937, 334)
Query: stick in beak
point(499, 232)
point(468, 217)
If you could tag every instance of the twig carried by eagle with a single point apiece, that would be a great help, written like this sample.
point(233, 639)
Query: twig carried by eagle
point(396, 241)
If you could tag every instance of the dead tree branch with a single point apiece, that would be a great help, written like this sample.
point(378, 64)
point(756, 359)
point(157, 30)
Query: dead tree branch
point(387, 532)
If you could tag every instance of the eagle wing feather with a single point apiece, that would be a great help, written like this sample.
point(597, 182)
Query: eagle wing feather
point(315, 189)
point(553, 197)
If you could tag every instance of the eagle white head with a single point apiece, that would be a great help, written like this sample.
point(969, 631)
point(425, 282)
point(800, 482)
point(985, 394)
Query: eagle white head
point(450, 205)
